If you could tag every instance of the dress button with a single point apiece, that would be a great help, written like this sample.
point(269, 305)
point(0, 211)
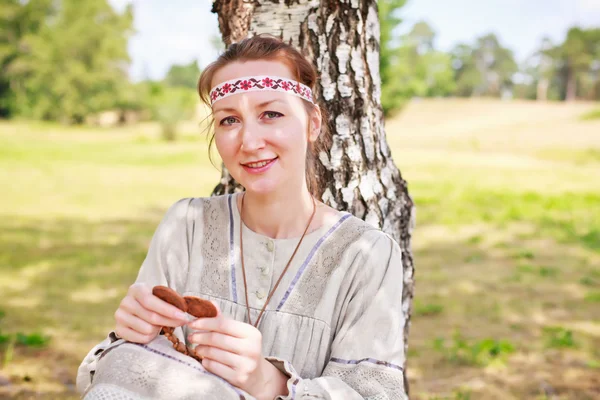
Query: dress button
point(270, 245)
point(260, 294)
point(265, 271)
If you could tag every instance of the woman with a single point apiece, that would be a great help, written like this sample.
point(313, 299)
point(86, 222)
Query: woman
point(309, 298)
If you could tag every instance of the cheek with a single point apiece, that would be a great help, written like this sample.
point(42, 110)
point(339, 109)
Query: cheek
point(225, 146)
point(290, 138)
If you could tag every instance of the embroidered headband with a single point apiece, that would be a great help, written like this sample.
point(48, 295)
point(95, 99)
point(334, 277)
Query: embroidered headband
point(257, 83)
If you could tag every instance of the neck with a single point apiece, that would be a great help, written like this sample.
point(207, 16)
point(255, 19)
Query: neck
point(278, 216)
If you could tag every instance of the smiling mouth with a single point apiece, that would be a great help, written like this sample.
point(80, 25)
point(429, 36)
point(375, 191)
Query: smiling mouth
point(259, 164)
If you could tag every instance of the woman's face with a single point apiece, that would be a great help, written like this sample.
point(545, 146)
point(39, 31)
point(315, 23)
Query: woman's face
point(262, 136)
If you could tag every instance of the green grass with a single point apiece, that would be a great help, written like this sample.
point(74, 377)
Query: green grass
point(559, 337)
point(481, 353)
point(507, 243)
point(429, 309)
point(591, 115)
point(593, 297)
point(576, 156)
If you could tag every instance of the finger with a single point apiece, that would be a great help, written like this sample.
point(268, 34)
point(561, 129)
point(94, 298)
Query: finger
point(150, 316)
point(224, 325)
point(153, 303)
point(219, 340)
point(132, 336)
point(232, 360)
point(135, 323)
point(222, 370)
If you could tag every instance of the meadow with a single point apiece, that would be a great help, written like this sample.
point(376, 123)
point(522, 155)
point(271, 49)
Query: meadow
point(507, 243)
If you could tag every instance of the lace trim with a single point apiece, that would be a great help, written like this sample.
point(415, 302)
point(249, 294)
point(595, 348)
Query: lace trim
point(370, 381)
point(131, 371)
point(309, 258)
point(214, 278)
point(369, 360)
point(107, 391)
point(310, 285)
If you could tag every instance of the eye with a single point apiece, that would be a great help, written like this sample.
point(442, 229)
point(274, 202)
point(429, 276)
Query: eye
point(272, 114)
point(227, 121)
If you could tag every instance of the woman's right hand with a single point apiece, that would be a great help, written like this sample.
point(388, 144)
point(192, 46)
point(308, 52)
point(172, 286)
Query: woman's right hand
point(141, 315)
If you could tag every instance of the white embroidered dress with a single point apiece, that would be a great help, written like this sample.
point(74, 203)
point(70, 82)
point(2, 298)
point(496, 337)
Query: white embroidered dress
point(334, 325)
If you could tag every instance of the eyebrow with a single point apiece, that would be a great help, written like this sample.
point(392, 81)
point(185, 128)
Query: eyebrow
point(261, 105)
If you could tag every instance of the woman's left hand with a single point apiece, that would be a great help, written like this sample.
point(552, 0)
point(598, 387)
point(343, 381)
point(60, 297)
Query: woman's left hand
point(233, 351)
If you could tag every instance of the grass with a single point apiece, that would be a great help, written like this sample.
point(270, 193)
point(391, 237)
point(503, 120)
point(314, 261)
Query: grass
point(483, 353)
point(559, 337)
point(591, 115)
point(507, 243)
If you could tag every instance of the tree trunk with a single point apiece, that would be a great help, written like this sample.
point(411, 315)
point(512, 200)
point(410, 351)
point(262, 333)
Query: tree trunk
point(571, 93)
point(542, 89)
point(342, 40)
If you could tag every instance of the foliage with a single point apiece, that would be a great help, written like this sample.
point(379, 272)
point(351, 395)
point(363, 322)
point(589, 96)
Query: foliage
point(169, 106)
point(19, 22)
point(66, 59)
point(183, 75)
point(577, 64)
point(567, 70)
point(421, 71)
point(410, 67)
point(484, 68)
point(389, 21)
point(75, 63)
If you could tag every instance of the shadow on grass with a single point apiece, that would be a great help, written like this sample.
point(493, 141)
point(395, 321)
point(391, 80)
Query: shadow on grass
point(67, 274)
point(64, 278)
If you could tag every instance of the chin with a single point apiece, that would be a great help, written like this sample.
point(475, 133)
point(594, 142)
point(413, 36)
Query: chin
point(261, 188)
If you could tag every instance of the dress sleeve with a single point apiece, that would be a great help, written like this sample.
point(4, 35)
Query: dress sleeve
point(367, 352)
point(166, 263)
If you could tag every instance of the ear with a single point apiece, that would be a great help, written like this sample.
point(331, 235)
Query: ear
point(314, 124)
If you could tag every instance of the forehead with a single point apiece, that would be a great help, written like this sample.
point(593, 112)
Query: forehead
point(260, 67)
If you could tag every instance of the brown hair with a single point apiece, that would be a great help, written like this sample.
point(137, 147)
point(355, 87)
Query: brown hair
point(266, 47)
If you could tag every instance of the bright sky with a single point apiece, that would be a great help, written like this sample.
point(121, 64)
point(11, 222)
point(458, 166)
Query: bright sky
point(179, 31)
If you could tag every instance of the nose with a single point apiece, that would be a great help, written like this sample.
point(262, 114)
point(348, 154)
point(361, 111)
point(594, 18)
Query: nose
point(252, 137)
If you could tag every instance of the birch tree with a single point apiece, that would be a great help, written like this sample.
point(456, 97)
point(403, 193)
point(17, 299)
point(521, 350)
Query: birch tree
point(341, 38)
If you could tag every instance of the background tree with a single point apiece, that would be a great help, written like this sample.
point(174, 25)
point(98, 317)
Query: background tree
point(183, 75)
point(420, 70)
point(392, 98)
point(543, 70)
point(535, 79)
point(18, 22)
point(342, 40)
point(76, 64)
point(484, 69)
point(577, 63)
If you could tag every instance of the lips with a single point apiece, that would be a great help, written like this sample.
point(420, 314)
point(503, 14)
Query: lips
point(259, 167)
point(259, 164)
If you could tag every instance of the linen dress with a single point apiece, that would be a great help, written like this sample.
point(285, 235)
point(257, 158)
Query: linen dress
point(333, 327)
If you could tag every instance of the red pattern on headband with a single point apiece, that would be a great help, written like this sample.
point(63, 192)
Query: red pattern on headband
point(256, 83)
